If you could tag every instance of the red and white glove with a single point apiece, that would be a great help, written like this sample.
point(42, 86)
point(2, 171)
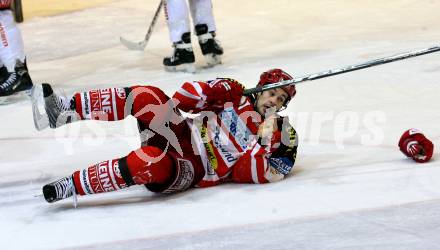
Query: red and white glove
point(5, 4)
point(415, 145)
point(222, 91)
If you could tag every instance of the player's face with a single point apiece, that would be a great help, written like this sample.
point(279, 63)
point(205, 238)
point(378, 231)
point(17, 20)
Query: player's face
point(273, 98)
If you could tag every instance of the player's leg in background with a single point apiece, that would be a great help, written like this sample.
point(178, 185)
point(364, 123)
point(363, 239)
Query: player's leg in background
point(12, 57)
point(3, 70)
point(177, 16)
point(203, 18)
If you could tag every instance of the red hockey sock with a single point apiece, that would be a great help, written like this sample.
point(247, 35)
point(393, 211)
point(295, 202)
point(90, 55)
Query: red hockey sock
point(143, 102)
point(103, 104)
point(102, 177)
point(145, 165)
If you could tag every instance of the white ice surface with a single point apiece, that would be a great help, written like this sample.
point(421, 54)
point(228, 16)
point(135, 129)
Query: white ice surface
point(344, 193)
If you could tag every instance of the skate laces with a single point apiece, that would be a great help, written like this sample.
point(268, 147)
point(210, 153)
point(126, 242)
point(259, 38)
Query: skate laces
point(9, 82)
point(61, 101)
point(66, 188)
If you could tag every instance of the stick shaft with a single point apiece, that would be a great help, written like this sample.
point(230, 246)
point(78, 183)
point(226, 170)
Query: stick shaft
point(18, 11)
point(343, 70)
point(153, 22)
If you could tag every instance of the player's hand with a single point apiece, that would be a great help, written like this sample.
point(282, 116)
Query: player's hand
point(268, 127)
point(415, 145)
point(223, 91)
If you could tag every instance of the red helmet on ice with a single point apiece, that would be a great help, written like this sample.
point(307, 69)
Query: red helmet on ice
point(278, 75)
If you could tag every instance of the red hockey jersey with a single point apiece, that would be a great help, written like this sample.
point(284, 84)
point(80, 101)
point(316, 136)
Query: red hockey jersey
point(227, 140)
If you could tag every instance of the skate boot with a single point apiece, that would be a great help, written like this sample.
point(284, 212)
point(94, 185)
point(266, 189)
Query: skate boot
point(60, 189)
point(15, 83)
point(183, 56)
point(59, 109)
point(3, 73)
point(210, 46)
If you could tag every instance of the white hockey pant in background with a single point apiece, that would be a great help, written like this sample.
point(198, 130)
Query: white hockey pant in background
point(11, 44)
point(177, 15)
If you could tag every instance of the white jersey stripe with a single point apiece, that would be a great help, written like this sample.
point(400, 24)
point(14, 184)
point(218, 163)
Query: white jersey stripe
point(203, 97)
point(115, 110)
point(254, 163)
point(200, 150)
point(111, 172)
point(189, 95)
point(198, 89)
point(265, 160)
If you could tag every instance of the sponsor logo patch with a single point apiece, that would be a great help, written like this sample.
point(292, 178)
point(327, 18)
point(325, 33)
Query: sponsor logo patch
point(236, 127)
point(116, 169)
point(104, 177)
point(282, 165)
point(101, 100)
point(212, 159)
point(292, 139)
point(99, 178)
point(86, 183)
point(223, 149)
point(121, 93)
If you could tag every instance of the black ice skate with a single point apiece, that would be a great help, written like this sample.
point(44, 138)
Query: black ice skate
point(3, 73)
point(183, 56)
point(60, 189)
point(211, 48)
point(14, 84)
point(59, 109)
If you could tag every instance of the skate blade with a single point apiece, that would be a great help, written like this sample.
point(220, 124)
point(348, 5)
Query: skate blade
point(213, 59)
point(18, 97)
point(187, 67)
point(41, 121)
point(133, 45)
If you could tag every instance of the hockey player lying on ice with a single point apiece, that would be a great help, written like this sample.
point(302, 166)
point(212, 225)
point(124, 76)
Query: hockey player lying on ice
point(233, 139)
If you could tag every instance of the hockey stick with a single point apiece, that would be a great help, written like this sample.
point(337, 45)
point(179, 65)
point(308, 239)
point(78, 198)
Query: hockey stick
point(343, 70)
point(18, 11)
point(142, 44)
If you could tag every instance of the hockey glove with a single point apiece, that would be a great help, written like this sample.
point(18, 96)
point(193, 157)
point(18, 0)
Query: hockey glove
point(223, 91)
point(415, 145)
